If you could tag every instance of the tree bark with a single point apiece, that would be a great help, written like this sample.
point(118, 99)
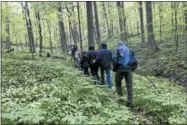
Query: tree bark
point(62, 31)
point(80, 35)
point(150, 34)
point(7, 29)
point(121, 23)
point(185, 18)
point(90, 24)
point(15, 34)
point(29, 29)
point(176, 28)
point(160, 16)
point(97, 24)
point(141, 22)
point(40, 32)
point(49, 30)
point(124, 21)
point(106, 18)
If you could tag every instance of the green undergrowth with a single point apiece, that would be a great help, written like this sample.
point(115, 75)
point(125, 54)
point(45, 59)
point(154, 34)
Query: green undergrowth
point(52, 91)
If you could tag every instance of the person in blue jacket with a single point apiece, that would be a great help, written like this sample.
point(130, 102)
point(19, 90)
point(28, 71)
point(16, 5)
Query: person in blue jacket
point(104, 59)
point(121, 58)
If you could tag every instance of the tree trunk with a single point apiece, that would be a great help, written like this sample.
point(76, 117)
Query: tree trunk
point(176, 28)
point(90, 24)
point(160, 16)
point(172, 27)
point(49, 30)
point(106, 17)
point(7, 29)
point(15, 34)
point(121, 23)
point(62, 31)
point(40, 32)
point(141, 22)
point(124, 21)
point(29, 29)
point(185, 18)
point(80, 35)
point(150, 34)
point(97, 24)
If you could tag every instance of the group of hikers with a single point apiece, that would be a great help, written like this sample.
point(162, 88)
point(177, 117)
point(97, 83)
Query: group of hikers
point(121, 60)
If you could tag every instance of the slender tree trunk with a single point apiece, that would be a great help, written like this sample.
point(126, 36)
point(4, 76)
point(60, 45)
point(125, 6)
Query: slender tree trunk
point(80, 35)
point(15, 34)
point(121, 23)
point(29, 29)
point(8, 43)
point(90, 24)
point(69, 23)
point(141, 22)
point(26, 41)
point(49, 30)
point(151, 38)
point(97, 24)
point(62, 31)
point(172, 27)
point(185, 18)
point(40, 32)
point(7, 30)
point(106, 18)
point(160, 16)
point(21, 44)
point(124, 21)
point(70, 26)
point(176, 28)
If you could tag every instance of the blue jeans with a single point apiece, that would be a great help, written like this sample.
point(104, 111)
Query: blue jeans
point(109, 79)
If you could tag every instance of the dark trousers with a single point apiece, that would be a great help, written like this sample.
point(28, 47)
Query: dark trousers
point(102, 76)
point(128, 78)
point(86, 71)
point(94, 71)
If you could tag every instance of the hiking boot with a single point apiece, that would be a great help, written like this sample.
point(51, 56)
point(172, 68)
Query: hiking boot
point(129, 105)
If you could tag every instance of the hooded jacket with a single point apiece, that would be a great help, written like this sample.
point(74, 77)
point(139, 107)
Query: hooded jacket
point(104, 57)
point(121, 55)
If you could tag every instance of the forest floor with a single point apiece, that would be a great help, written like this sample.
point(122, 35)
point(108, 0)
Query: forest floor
point(52, 91)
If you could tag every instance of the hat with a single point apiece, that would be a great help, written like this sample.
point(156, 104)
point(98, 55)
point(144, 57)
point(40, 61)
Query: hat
point(103, 45)
point(91, 47)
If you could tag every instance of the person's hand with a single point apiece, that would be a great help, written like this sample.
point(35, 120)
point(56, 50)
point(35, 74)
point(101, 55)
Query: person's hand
point(93, 61)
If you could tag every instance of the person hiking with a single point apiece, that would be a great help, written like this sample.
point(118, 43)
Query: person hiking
point(84, 63)
point(77, 57)
point(104, 59)
point(93, 66)
point(122, 67)
point(73, 50)
point(73, 55)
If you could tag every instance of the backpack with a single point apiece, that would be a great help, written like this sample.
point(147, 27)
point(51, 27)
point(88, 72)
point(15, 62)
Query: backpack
point(133, 63)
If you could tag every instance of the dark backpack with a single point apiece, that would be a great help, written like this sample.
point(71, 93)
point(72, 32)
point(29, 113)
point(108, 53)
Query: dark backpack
point(133, 63)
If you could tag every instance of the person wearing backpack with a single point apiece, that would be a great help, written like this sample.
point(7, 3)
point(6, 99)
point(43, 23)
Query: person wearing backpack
point(124, 63)
point(84, 63)
point(104, 59)
point(93, 66)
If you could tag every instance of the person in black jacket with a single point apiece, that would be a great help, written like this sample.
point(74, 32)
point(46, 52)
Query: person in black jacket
point(84, 63)
point(104, 59)
point(93, 66)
